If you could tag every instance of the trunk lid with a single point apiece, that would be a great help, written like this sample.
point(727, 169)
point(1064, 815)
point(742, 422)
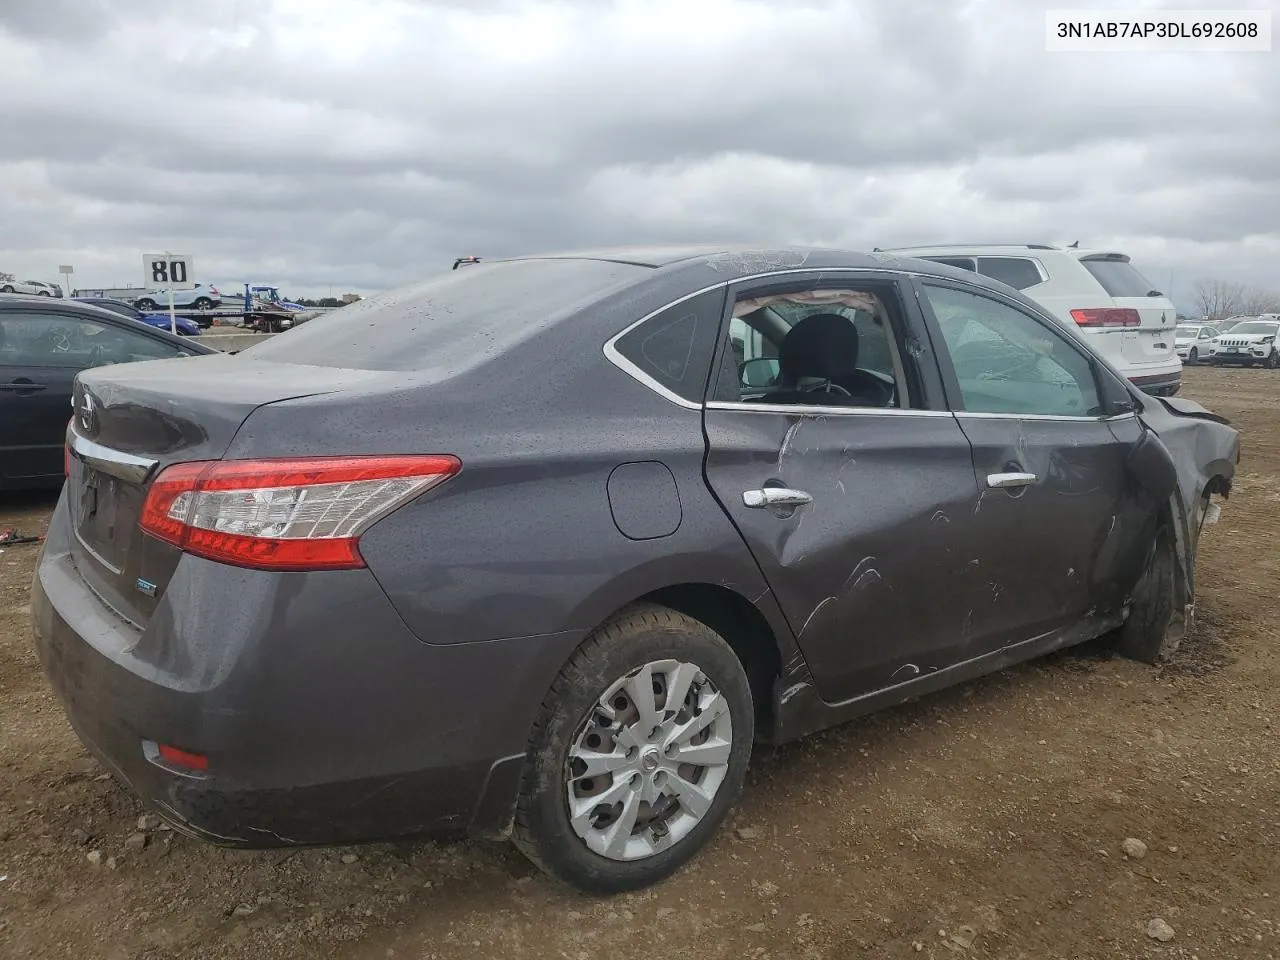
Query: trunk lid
point(129, 422)
point(1153, 341)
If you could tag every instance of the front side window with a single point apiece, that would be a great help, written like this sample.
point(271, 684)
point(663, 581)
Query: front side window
point(1009, 362)
point(814, 347)
point(49, 340)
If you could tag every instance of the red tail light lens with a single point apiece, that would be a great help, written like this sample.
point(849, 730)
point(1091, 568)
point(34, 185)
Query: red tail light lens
point(295, 514)
point(1107, 317)
point(182, 758)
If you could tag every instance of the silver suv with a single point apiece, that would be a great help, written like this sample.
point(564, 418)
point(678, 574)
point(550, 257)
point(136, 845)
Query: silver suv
point(1099, 291)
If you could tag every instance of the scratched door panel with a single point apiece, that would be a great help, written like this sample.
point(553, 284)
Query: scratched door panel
point(1050, 540)
point(874, 574)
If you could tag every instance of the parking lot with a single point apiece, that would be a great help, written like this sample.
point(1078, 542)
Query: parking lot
point(987, 821)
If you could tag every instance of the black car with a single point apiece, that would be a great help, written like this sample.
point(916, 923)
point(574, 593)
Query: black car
point(539, 548)
point(44, 343)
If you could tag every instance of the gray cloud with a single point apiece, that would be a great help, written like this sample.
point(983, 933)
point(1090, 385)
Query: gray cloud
point(362, 143)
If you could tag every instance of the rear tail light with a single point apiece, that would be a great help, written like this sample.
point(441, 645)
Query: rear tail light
point(294, 514)
point(1107, 317)
point(183, 759)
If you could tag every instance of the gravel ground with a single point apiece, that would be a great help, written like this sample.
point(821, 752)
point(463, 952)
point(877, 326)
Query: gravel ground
point(1075, 807)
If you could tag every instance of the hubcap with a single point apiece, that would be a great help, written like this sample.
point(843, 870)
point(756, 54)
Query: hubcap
point(647, 761)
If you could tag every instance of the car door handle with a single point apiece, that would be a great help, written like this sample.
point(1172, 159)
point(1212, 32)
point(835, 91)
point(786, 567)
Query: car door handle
point(1005, 480)
point(775, 497)
point(19, 386)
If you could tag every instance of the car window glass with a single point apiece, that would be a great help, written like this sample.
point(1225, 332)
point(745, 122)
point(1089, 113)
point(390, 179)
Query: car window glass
point(964, 263)
point(1017, 272)
point(1118, 277)
point(674, 347)
point(1009, 362)
point(814, 348)
point(51, 340)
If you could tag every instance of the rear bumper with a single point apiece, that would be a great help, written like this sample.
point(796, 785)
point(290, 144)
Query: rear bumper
point(1159, 384)
point(323, 718)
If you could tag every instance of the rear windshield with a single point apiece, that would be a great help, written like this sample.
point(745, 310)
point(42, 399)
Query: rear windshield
point(1119, 278)
point(456, 318)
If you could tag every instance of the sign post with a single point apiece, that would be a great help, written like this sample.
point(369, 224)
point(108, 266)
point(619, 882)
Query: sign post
point(66, 270)
point(174, 271)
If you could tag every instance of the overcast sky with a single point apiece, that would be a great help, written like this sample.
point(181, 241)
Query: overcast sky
point(361, 144)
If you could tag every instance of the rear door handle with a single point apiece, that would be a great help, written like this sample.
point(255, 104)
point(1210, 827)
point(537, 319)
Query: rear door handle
point(1005, 480)
point(775, 497)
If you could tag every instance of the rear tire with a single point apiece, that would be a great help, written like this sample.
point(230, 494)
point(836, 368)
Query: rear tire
point(1145, 635)
point(6, 289)
point(203, 303)
point(1193, 357)
point(589, 712)
point(43, 293)
point(145, 305)
point(1273, 360)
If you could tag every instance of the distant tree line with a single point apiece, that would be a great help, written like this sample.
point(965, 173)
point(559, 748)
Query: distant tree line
point(322, 302)
point(1219, 299)
point(6, 277)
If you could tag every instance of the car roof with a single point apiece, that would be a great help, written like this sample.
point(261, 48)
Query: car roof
point(732, 262)
point(33, 304)
point(1003, 250)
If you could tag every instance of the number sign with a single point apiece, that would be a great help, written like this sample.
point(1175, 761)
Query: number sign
point(167, 271)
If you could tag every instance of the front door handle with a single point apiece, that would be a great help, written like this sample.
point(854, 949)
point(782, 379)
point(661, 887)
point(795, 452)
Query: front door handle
point(1006, 480)
point(22, 386)
point(775, 497)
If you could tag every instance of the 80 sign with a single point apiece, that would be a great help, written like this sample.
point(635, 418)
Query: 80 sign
point(168, 271)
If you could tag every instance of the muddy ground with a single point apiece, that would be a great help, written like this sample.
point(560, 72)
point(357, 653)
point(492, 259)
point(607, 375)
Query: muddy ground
point(983, 822)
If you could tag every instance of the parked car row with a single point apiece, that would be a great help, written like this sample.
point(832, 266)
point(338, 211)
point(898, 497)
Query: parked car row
point(1240, 341)
point(744, 495)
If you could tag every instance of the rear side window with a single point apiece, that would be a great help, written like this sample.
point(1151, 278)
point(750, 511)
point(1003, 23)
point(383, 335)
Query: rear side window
point(1017, 272)
point(1119, 278)
point(457, 318)
point(674, 348)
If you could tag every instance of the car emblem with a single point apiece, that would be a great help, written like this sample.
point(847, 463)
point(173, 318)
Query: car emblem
point(87, 414)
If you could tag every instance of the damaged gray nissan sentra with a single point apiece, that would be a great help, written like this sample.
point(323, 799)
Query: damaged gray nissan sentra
point(538, 548)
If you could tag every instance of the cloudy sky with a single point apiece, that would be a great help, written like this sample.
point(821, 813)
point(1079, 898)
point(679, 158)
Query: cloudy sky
point(360, 144)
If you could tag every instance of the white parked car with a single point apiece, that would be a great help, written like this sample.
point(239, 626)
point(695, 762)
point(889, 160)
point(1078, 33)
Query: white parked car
point(1247, 344)
point(1194, 342)
point(1099, 291)
point(34, 287)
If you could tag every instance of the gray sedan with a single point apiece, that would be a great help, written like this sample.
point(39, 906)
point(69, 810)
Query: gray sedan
point(539, 548)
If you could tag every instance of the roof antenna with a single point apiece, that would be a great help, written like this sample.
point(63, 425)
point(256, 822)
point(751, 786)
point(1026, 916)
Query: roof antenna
point(1074, 245)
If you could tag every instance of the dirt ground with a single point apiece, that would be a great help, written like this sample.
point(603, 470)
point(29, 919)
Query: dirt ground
point(986, 821)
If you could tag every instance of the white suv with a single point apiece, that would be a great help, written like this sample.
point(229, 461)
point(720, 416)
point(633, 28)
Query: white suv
point(1130, 322)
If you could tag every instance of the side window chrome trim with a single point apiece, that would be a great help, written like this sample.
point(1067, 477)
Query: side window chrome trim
point(979, 415)
point(614, 355)
point(799, 410)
